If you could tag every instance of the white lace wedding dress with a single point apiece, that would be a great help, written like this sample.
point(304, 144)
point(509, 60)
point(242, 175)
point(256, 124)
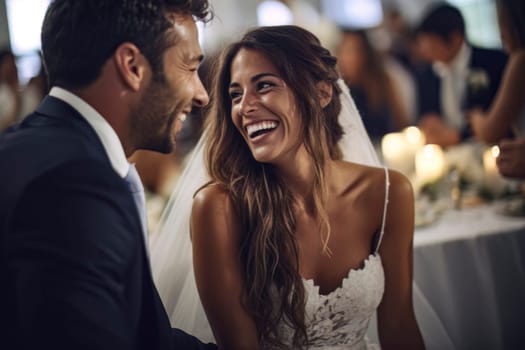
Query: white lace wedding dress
point(339, 320)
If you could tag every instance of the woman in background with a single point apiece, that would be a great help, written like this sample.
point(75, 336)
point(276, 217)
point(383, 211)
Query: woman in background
point(373, 89)
point(507, 112)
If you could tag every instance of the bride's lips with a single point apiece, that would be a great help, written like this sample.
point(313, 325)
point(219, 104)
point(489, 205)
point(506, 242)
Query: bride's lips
point(257, 130)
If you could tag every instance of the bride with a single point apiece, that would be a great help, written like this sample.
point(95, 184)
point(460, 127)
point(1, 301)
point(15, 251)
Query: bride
point(298, 236)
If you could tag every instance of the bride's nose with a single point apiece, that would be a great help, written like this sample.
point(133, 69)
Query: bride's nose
point(248, 104)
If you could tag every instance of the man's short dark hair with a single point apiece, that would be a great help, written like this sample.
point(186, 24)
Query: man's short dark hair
point(442, 20)
point(78, 36)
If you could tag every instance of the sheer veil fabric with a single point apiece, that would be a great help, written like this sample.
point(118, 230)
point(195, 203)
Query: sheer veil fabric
point(170, 246)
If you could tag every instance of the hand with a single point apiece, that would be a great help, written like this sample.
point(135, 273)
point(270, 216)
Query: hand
point(437, 132)
point(476, 118)
point(511, 160)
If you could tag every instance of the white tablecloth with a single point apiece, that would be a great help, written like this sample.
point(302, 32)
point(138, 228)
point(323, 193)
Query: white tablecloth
point(470, 267)
point(465, 224)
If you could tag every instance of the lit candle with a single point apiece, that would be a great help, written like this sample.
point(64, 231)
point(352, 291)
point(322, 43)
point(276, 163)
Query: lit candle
point(395, 151)
point(415, 140)
point(493, 180)
point(430, 164)
point(414, 136)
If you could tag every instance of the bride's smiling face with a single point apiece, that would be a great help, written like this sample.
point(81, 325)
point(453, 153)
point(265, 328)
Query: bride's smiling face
point(264, 108)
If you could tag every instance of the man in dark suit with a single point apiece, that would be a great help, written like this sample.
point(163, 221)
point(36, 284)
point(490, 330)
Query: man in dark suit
point(461, 76)
point(74, 269)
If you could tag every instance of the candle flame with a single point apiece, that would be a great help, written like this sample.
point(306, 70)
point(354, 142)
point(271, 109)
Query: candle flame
point(413, 134)
point(494, 150)
point(430, 150)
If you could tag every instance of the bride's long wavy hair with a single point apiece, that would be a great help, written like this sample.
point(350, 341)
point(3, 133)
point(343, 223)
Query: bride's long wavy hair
point(269, 253)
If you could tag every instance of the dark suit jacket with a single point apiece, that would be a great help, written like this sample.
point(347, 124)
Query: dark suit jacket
point(74, 272)
point(429, 84)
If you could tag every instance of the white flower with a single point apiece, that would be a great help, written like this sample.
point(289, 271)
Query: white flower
point(478, 79)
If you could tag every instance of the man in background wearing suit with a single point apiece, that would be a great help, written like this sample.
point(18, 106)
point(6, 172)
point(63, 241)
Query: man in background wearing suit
point(461, 76)
point(74, 270)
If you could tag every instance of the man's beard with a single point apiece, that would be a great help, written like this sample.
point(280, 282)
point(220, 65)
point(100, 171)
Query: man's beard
point(152, 122)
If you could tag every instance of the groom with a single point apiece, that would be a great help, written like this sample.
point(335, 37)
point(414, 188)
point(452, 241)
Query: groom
point(74, 270)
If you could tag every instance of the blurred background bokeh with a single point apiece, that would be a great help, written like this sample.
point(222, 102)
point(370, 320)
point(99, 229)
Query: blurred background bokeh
point(20, 22)
point(374, 41)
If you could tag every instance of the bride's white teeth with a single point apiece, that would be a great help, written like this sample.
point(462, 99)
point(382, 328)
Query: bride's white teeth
point(252, 129)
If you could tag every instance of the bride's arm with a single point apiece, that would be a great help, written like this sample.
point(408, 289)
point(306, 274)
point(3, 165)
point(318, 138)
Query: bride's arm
point(395, 316)
point(216, 259)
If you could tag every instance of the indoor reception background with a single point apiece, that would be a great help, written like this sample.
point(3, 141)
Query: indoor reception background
point(469, 242)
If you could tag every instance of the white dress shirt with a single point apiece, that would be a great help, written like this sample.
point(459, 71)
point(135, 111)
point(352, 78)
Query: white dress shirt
point(453, 86)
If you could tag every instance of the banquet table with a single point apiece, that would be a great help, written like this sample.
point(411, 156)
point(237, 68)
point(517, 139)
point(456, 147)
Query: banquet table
point(469, 266)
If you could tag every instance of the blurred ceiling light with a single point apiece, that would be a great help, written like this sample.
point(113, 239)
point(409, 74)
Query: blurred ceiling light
point(24, 19)
point(357, 14)
point(272, 13)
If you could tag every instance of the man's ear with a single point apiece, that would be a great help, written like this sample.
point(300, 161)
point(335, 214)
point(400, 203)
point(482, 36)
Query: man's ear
point(325, 93)
point(131, 65)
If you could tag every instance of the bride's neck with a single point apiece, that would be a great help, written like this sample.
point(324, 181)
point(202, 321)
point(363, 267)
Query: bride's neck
point(300, 182)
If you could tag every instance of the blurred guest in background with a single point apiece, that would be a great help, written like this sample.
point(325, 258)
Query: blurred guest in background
point(33, 92)
point(372, 88)
point(9, 89)
point(461, 77)
point(306, 15)
point(508, 110)
point(401, 44)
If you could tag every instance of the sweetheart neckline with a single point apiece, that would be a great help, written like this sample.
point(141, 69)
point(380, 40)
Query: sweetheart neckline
point(366, 261)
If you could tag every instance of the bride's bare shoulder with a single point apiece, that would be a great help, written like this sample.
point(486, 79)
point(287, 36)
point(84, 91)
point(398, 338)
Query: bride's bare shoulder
point(211, 197)
point(213, 207)
point(370, 177)
point(210, 191)
point(361, 174)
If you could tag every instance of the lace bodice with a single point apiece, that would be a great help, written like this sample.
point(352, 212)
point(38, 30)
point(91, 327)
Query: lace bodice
point(340, 319)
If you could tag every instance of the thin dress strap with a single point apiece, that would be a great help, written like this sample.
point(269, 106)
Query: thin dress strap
point(387, 186)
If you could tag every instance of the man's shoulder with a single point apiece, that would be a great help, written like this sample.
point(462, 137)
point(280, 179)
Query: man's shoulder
point(30, 152)
point(488, 57)
point(38, 144)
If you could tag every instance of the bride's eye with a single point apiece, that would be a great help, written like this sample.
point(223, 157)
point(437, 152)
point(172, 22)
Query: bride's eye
point(264, 85)
point(235, 95)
